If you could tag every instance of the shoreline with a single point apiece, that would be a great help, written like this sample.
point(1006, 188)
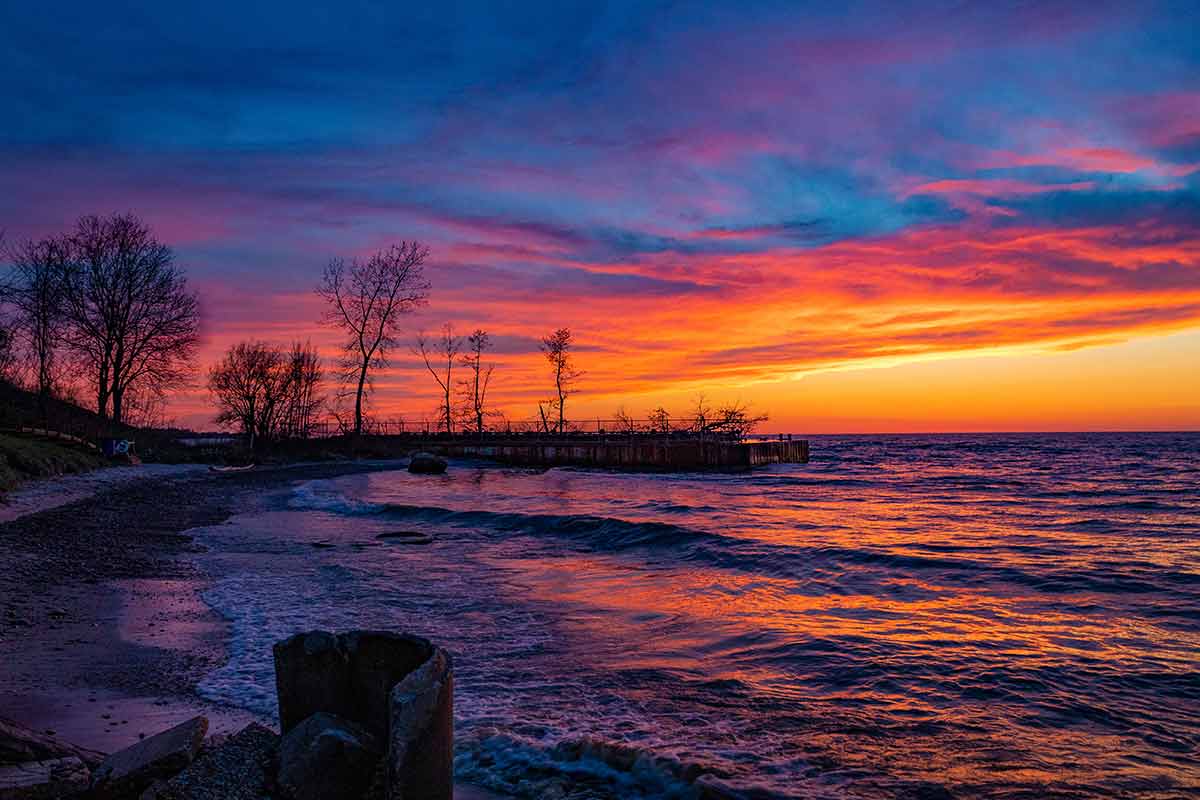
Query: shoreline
point(103, 632)
point(44, 494)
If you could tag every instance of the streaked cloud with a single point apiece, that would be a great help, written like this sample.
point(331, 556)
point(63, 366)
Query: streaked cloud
point(714, 195)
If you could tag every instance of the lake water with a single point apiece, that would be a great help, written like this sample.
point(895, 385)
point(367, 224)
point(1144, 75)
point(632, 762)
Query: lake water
point(908, 616)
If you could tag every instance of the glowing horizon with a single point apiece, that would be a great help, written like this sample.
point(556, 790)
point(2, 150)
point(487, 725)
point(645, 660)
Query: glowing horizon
point(963, 219)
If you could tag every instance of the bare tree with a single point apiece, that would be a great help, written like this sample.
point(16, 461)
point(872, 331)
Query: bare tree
point(557, 348)
point(7, 326)
point(701, 413)
point(660, 420)
point(7, 352)
point(143, 409)
point(267, 392)
point(367, 299)
point(133, 319)
point(736, 421)
point(37, 295)
point(625, 422)
point(245, 385)
point(733, 420)
point(303, 400)
point(474, 388)
point(439, 357)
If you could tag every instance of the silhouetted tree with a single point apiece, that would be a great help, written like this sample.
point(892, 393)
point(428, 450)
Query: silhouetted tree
point(474, 388)
point(439, 357)
point(367, 299)
point(133, 319)
point(625, 422)
point(142, 409)
point(303, 400)
point(247, 386)
point(7, 328)
point(557, 348)
point(7, 351)
point(660, 420)
point(736, 420)
point(267, 392)
point(36, 292)
point(700, 414)
point(732, 419)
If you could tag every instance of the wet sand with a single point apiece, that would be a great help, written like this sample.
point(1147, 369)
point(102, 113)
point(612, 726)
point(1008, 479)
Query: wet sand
point(115, 662)
point(42, 495)
point(102, 631)
point(103, 634)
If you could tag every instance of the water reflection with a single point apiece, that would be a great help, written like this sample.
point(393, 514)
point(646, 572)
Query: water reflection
point(1003, 616)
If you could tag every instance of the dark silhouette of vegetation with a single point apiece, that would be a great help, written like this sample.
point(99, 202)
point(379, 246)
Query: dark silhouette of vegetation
point(732, 419)
point(557, 348)
point(304, 401)
point(132, 320)
point(35, 293)
point(625, 422)
point(108, 303)
point(474, 388)
point(439, 357)
point(7, 351)
point(366, 300)
point(105, 303)
point(268, 393)
point(729, 421)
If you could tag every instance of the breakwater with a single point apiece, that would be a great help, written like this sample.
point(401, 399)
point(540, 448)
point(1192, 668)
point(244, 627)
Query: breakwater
point(637, 453)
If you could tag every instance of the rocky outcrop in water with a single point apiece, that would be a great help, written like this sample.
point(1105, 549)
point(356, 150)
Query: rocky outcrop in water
point(427, 464)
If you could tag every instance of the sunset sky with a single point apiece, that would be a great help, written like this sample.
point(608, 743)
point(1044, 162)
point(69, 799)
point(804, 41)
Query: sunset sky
point(857, 217)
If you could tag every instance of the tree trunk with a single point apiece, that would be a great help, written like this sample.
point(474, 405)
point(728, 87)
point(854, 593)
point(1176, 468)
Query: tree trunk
point(358, 396)
point(102, 400)
point(117, 390)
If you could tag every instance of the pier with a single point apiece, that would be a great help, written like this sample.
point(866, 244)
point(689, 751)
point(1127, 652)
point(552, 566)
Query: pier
point(614, 452)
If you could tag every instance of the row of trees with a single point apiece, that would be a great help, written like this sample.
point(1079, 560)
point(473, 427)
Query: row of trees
point(104, 303)
point(731, 419)
point(367, 301)
point(464, 400)
point(269, 393)
point(107, 302)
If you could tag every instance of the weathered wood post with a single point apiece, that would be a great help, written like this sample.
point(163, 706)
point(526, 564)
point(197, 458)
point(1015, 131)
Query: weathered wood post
point(399, 688)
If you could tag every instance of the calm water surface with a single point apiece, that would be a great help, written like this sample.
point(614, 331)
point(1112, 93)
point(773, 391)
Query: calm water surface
point(917, 616)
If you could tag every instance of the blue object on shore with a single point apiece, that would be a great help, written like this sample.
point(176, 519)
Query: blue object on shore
point(116, 447)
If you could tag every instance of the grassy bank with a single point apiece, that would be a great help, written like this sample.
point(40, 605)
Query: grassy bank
point(23, 458)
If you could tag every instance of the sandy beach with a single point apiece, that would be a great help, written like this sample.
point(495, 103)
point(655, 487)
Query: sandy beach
point(102, 631)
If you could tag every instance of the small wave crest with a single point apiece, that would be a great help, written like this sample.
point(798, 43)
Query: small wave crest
point(322, 496)
point(584, 767)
